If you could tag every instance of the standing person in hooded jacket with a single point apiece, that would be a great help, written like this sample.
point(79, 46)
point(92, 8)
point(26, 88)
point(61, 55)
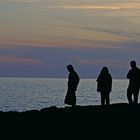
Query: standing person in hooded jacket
point(104, 85)
point(73, 81)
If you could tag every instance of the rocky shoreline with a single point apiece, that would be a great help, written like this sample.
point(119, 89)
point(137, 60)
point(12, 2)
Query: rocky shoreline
point(117, 108)
point(88, 119)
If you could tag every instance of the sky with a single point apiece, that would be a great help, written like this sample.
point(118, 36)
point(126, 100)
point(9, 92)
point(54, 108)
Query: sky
point(39, 38)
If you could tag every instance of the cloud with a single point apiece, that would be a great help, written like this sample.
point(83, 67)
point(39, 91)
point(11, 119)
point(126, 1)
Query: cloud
point(15, 59)
point(120, 5)
point(101, 6)
point(102, 62)
point(77, 29)
point(69, 36)
point(23, 1)
point(76, 42)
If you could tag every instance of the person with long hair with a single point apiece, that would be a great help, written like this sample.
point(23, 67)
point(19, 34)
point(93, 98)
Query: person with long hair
point(104, 85)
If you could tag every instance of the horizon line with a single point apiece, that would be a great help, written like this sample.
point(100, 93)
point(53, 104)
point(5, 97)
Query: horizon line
point(53, 77)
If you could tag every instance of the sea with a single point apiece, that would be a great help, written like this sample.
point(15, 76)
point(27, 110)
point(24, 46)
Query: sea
point(23, 94)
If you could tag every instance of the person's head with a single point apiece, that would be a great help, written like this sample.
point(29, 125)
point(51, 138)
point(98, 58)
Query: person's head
point(70, 68)
point(104, 70)
point(133, 64)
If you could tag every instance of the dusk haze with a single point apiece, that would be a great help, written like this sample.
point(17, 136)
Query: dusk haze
point(39, 38)
point(70, 68)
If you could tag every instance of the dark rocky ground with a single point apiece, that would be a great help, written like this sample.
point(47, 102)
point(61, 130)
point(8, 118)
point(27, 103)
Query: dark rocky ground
point(114, 121)
point(87, 112)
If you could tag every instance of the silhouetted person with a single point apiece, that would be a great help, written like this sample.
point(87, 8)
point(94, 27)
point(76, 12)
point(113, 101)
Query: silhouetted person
point(73, 81)
point(134, 83)
point(104, 85)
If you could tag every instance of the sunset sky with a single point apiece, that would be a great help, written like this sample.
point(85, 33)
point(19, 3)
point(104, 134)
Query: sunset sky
point(39, 38)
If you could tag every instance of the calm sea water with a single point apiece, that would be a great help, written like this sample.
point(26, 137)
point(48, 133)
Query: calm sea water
point(21, 94)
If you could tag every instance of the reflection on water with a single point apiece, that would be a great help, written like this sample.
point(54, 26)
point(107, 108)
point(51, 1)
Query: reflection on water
point(20, 94)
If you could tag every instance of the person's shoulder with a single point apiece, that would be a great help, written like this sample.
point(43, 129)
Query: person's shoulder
point(138, 68)
point(130, 70)
point(75, 72)
point(110, 76)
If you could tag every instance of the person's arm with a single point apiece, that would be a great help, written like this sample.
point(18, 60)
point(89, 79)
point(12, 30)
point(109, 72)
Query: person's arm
point(129, 75)
point(98, 84)
point(98, 79)
point(110, 83)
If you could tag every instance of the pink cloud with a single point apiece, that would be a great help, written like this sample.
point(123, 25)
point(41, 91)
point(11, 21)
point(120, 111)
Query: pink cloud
point(24, 1)
point(18, 59)
point(107, 62)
